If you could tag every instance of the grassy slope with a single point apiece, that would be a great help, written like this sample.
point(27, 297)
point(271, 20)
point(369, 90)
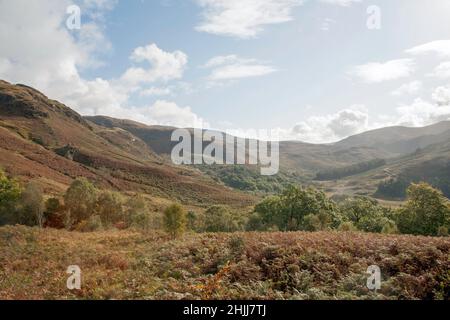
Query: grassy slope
point(132, 265)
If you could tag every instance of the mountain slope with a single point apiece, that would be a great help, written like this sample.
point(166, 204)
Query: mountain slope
point(45, 140)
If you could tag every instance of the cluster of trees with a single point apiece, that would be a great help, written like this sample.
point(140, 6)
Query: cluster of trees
point(436, 172)
point(427, 212)
point(248, 178)
point(84, 207)
point(339, 173)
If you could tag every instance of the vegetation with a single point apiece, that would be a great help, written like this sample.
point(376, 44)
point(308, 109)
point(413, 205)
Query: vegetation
point(175, 220)
point(436, 173)
point(296, 209)
point(427, 211)
point(9, 196)
point(296, 265)
point(339, 173)
point(249, 178)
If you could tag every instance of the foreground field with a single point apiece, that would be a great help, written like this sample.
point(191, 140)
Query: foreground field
point(133, 265)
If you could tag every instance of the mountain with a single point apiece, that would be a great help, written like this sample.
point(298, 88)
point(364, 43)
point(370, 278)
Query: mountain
point(399, 140)
point(45, 140)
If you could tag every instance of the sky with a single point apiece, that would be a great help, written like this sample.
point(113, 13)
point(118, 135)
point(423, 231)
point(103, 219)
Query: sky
point(312, 70)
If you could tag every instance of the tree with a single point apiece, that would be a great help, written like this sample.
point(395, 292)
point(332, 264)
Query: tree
point(175, 220)
point(80, 200)
point(9, 197)
point(425, 211)
point(136, 213)
point(33, 207)
point(366, 214)
point(219, 219)
point(289, 210)
point(109, 207)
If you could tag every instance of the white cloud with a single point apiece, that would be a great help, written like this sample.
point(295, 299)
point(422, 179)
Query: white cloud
point(232, 67)
point(155, 91)
point(375, 72)
point(439, 47)
point(408, 88)
point(441, 96)
point(165, 66)
point(342, 3)
point(170, 114)
point(243, 19)
point(442, 70)
point(421, 113)
point(333, 127)
point(39, 51)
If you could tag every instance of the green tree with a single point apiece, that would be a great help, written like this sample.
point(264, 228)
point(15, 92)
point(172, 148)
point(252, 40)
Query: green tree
point(289, 210)
point(9, 197)
point(32, 205)
point(366, 214)
point(219, 219)
point(80, 200)
point(109, 207)
point(425, 211)
point(175, 220)
point(136, 213)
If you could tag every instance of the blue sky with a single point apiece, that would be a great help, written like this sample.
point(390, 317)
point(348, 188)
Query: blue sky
point(311, 69)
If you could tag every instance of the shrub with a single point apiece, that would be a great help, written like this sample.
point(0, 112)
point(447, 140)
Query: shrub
point(174, 220)
point(9, 197)
point(347, 226)
point(93, 223)
point(80, 200)
point(442, 231)
point(32, 206)
point(109, 207)
point(137, 213)
point(219, 219)
point(53, 214)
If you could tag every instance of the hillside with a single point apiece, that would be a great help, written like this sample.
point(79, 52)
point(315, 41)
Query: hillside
point(45, 140)
point(394, 150)
point(296, 265)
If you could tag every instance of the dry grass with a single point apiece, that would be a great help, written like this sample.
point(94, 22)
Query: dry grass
point(133, 265)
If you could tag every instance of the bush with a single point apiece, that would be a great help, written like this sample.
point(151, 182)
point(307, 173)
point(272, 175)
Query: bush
point(347, 226)
point(219, 219)
point(54, 214)
point(442, 231)
point(174, 220)
point(32, 206)
point(80, 200)
point(137, 214)
point(109, 207)
point(9, 197)
point(94, 223)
